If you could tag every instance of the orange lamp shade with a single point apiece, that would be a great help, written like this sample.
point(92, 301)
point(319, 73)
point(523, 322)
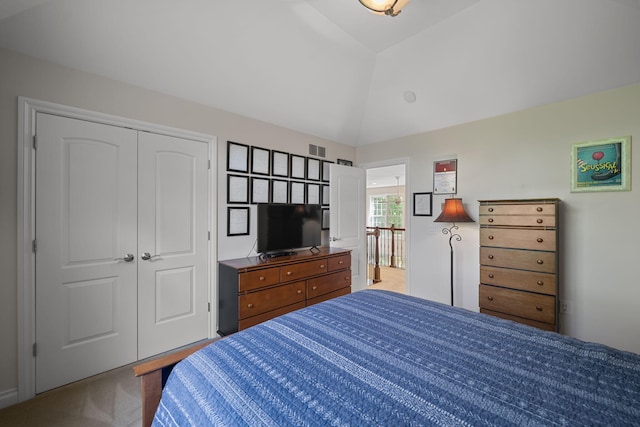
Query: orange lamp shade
point(453, 211)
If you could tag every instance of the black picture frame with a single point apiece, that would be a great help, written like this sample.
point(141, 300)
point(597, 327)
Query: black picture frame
point(325, 195)
point(237, 157)
point(313, 194)
point(297, 166)
point(325, 219)
point(279, 191)
point(423, 204)
point(279, 163)
point(238, 221)
point(325, 170)
point(237, 189)
point(260, 161)
point(297, 192)
point(260, 190)
point(313, 169)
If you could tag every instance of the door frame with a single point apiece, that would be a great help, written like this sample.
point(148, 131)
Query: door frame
point(26, 304)
point(408, 206)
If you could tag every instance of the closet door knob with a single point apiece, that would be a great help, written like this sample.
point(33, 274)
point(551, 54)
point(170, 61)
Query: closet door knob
point(147, 256)
point(126, 258)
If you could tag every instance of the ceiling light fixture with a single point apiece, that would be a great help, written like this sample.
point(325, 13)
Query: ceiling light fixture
point(385, 7)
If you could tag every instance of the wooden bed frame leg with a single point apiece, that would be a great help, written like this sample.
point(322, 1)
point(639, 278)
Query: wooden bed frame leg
point(152, 391)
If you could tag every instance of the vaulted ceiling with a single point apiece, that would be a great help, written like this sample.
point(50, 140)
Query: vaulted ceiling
point(332, 69)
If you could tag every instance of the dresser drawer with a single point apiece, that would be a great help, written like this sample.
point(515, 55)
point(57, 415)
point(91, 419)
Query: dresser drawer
point(521, 259)
point(518, 209)
point(328, 283)
point(518, 303)
point(258, 302)
point(541, 240)
point(544, 283)
point(519, 220)
point(340, 262)
point(302, 270)
point(535, 324)
point(330, 295)
point(258, 279)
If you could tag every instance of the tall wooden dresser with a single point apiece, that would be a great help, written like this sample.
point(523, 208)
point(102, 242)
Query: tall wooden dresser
point(519, 260)
point(252, 290)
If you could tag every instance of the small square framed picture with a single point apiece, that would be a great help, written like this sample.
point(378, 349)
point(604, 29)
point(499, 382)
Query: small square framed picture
point(237, 221)
point(260, 161)
point(237, 157)
point(423, 204)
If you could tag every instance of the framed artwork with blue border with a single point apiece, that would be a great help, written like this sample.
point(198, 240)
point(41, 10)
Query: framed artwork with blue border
point(603, 165)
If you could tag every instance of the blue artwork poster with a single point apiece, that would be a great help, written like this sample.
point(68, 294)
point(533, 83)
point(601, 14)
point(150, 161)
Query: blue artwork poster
point(601, 165)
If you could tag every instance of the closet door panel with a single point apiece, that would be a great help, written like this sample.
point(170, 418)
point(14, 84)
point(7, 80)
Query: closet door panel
point(172, 241)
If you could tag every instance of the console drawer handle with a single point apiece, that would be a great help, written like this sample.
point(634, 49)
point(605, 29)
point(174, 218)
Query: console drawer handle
point(490, 298)
point(490, 275)
point(540, 283)
point(490, 256)
point(539, 307)
point(490, 209)
point(539, 221)
point(490, 237)
point(540, 240)
point(539, 209)
point(490, 220)
point(540, 262)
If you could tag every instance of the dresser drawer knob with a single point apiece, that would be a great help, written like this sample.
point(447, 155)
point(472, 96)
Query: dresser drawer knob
point(540, 262)
point(347, 277)
point(321, 265)
point(540, 283)
point(540, 239)
point(539, 307)
point(490, 237)
point(250, 305)
point(490, 220)
point(490, 209)
point(490, 256)
point(491, 276)
point(300, 291)
point(262, 278)
point(340, 262)
point(539, 208)
point(289, 273)
point(490, 298)
point(314, 288)
point(539, 220)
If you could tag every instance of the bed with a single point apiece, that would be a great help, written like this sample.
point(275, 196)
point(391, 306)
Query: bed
point(382, 358)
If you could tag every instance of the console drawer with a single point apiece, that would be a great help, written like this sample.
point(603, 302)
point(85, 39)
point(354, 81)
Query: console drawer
point(258, 302)
point(303, 269)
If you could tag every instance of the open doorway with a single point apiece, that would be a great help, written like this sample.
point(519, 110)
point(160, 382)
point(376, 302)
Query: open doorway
point(387, 206)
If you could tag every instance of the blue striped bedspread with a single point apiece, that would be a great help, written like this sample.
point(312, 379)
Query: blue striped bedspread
point(382, 358)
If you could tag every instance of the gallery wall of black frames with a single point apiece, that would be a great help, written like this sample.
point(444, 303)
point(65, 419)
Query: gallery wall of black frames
point(259, 175)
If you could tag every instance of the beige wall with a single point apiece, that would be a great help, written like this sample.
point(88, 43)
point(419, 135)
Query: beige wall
point(24, 76)
point(527, 155)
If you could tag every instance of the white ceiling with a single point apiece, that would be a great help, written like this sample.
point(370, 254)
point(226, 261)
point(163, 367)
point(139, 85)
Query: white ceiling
point(332, 69)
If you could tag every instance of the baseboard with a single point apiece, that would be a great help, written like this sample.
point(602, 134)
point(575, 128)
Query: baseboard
point(8, 397)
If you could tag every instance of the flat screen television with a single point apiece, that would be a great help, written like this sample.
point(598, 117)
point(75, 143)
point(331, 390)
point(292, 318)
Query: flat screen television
point(282, 227)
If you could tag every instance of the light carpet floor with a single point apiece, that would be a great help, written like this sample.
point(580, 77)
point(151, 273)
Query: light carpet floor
point(109, 399)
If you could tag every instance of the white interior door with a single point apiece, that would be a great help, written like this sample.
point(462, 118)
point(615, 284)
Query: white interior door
point(347, 218)
point(86, 192)
point(172, 242)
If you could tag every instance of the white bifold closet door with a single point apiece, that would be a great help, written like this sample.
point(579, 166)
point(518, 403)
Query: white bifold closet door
point(121, 258)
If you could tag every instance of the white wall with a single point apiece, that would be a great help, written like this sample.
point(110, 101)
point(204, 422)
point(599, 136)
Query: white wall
point(527, 155)
point(24, 76)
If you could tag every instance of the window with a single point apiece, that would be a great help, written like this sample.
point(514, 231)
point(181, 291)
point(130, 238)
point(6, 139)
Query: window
point(386, 210)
